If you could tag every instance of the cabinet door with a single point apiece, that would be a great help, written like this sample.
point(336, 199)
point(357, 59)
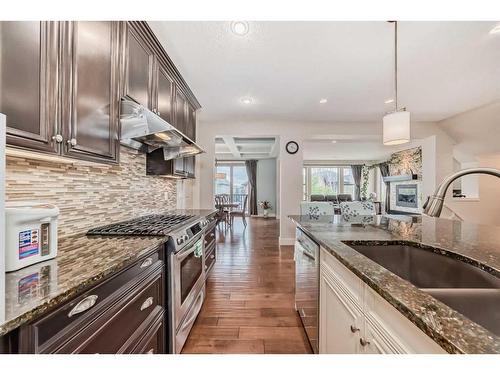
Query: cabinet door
point(28, 83)
point(340, 320)
point(180, 119)
point(180, 166)
point(191, 133)
point(91, 73)
point(139, 81)
point(165, 88)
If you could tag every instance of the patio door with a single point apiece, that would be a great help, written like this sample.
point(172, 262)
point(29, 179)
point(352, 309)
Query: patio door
point(231, 178)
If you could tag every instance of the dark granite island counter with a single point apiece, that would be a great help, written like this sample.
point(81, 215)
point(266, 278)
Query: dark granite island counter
point(478, 245)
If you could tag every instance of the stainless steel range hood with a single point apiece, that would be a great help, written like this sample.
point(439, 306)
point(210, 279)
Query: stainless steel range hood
point(144, 130)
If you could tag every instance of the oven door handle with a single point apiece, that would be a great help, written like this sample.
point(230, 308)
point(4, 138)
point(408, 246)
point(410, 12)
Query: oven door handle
point(196, 310)
point(185, 253)
point(191, 249)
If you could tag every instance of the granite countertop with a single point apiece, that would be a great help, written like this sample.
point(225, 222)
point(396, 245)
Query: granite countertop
point(82, 261)
point(477, 244)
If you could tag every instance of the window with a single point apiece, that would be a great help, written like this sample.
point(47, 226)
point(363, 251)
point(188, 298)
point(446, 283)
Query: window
point(348, 182)
point(327, 180)
point(232, 179)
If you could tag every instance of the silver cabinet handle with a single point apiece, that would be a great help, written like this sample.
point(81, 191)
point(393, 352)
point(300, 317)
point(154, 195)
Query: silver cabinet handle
point(58, 138)
point(354, 329)
point(83, 305)
point(364, 342)
point(212, 256)
point(147, 262)
point(147, 303)
point(72, 142)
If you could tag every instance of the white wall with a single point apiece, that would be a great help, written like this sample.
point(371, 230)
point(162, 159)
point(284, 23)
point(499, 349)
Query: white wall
point(290, 194)
point(476, 132)
point(476, 135)
point(486, 208)
point(266, 183)
point(290, 167)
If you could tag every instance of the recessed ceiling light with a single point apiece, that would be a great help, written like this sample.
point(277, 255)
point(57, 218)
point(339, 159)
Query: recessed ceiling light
point(240, 27)
point(495, 30)
point(323, 101)
point(246, 100)
point(389, 101)
point(334, 141)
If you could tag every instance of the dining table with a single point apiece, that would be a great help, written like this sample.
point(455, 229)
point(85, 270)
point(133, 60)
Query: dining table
point(225, 206)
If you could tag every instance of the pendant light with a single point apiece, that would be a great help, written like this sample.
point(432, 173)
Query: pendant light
point(396, 128)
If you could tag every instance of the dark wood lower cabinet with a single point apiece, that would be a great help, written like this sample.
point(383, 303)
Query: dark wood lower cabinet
point(127, 316)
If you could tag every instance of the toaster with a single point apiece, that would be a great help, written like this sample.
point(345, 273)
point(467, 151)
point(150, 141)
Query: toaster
point(31, 233)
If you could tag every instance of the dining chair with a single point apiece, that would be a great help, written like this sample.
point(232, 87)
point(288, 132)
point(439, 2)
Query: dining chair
point(221, 213)
point(316, 209)
point(240, 213)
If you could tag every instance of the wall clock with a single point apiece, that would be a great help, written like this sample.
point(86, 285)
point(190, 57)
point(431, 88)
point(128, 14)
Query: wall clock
point(292, 147)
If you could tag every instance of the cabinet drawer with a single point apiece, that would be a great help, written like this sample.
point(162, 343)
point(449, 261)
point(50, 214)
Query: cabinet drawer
point(110, 333)
point(210, 235)
point(58, 326)
point(210, 258)
point(152, 340)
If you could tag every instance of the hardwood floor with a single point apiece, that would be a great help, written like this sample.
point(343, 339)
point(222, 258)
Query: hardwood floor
point(249, 306)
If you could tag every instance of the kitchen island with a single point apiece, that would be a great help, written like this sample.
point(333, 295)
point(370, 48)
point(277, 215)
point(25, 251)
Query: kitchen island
point(477, 245)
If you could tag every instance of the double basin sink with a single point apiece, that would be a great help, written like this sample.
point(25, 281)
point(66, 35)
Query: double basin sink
point(464, 287)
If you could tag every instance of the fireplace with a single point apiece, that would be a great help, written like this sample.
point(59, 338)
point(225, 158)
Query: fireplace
point(406, 195)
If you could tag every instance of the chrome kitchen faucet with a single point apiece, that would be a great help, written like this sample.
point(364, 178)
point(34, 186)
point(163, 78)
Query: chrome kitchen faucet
point(434, 204)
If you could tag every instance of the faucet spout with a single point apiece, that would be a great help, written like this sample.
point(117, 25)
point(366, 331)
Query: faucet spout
point(434, 204)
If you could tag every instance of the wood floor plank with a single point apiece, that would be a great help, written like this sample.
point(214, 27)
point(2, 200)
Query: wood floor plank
point(272, 333)
point(249, 307)
point(211, 346)
point(282, 321)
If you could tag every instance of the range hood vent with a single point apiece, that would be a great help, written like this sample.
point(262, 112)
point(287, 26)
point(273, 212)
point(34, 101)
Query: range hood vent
point(144, 130)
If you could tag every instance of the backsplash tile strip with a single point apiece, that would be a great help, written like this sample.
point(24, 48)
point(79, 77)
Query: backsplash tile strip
point(89, 195)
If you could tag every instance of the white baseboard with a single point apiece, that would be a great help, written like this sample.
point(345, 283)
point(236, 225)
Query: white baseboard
point(285, 241)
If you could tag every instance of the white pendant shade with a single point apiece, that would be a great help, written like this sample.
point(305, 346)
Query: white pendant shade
point(396, 128)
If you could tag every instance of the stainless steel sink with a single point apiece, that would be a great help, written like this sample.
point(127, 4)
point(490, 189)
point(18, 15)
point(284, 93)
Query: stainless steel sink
point(426, 269)
point(479, 305)
point(463, 287)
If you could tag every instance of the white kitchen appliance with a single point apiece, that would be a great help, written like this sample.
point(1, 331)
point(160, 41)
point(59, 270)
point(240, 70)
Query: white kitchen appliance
point(31, 233)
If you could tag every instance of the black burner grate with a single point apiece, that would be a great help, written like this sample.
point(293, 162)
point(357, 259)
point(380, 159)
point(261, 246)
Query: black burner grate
point(151, 225)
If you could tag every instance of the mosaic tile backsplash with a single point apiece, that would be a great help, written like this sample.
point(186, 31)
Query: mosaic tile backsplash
point(90, 195)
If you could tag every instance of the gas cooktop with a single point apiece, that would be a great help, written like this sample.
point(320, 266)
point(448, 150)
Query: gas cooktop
point(151, 225)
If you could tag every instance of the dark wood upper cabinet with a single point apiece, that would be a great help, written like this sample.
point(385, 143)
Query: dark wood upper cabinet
point(90, 86)
point(164, 95)
point(61, 84)
point(140, 60)
point(191, 133)
point(28, 83)
point(180, 119)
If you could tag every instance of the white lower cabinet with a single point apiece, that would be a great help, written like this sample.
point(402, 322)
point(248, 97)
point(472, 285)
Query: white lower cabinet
point(354, 319)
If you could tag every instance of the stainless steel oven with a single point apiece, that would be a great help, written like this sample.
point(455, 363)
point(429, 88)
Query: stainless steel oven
point(188, 289)
point(307, 285)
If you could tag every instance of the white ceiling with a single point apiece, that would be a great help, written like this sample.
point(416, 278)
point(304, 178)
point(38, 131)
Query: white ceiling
point(444, 67)
point(242, 148)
